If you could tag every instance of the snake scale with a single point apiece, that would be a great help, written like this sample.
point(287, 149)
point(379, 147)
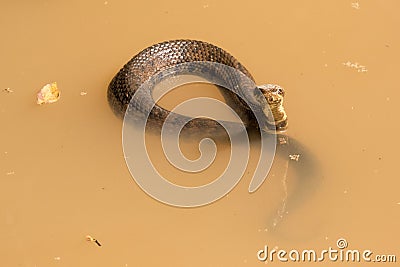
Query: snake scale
point(164, 55)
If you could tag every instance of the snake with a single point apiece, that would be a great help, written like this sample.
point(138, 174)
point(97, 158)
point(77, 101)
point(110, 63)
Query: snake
point(162, 56)
point(159, 57)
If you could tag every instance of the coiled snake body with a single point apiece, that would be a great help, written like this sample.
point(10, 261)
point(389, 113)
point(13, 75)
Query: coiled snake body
point(162, 56)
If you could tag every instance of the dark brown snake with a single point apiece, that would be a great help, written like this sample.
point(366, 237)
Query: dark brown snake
point(159, 57)
point(162, 56)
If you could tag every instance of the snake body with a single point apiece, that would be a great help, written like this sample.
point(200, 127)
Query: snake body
point(162, 56)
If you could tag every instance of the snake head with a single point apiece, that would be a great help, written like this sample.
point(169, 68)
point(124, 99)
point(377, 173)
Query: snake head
point(275, 113)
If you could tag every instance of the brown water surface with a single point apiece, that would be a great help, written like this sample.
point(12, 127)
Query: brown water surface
point(62, 170)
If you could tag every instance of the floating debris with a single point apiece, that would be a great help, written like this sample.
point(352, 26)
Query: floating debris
point(357, 66)
point(83, 93)
point(282, 140)
point(91, 239)
point(294, 157)
point(10, 173)
point(8, 90)
point(48, 94)
point(355, 5)
point(57, 258)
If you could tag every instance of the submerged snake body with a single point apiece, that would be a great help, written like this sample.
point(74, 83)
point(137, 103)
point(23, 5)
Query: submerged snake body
point(162, 56)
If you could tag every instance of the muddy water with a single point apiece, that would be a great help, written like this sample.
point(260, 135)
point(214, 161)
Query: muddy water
point(63, 174)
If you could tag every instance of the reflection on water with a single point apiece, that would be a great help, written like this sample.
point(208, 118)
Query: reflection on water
point(62, 171)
